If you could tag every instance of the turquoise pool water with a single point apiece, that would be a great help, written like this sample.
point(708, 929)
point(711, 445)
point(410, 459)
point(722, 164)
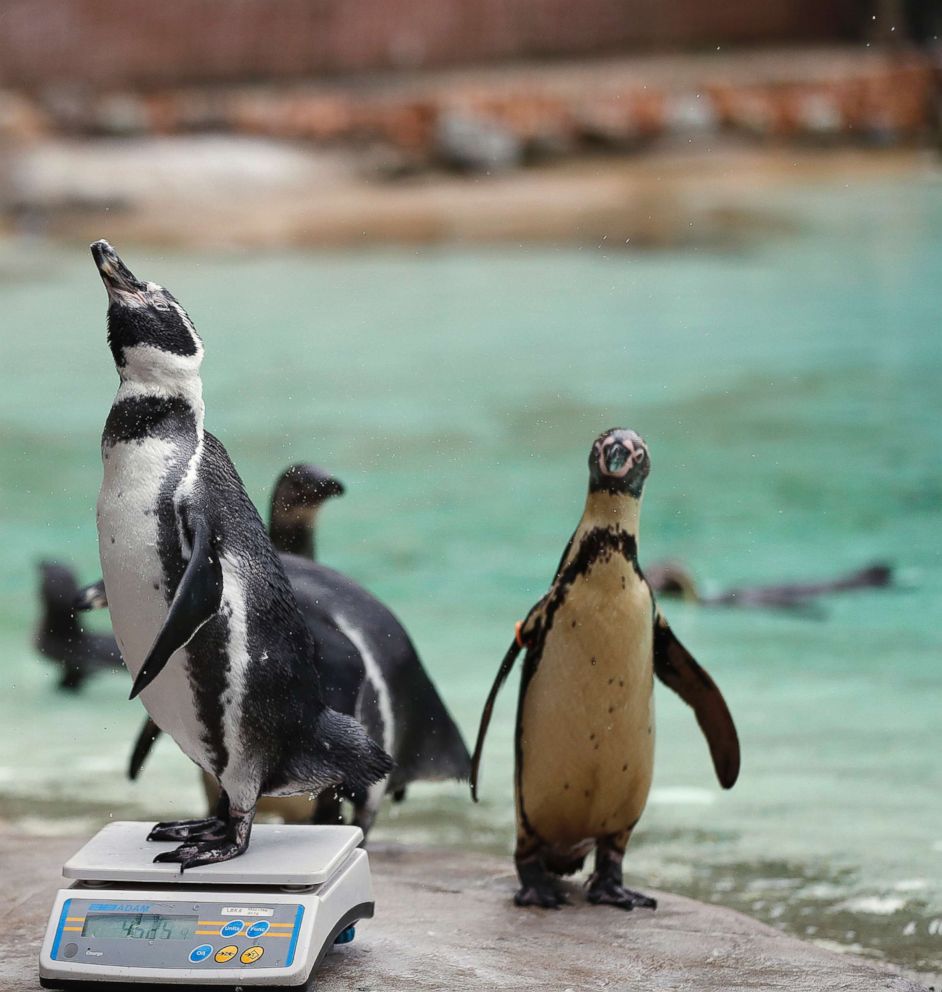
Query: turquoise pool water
point(790, 397)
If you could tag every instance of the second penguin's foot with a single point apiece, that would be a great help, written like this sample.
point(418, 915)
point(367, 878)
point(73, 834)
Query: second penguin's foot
point(544, 896)
point(209, 828)
point(537, 886)
point(610, 892)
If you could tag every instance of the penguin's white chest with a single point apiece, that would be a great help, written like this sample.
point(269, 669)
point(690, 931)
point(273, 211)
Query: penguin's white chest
point(135, 474)
point(587, 721)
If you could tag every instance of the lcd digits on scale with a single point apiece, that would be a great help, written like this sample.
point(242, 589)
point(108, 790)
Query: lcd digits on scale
point(140, 926)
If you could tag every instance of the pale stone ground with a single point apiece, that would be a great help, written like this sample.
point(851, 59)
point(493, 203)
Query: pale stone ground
point(445, 920)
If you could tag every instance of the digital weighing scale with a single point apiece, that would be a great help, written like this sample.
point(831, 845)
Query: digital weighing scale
point(267, 917)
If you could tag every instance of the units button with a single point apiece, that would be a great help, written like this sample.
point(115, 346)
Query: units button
point(251, 954)
point(201, 953)
point(231, 928)
point(226, 953)
point(258, 929)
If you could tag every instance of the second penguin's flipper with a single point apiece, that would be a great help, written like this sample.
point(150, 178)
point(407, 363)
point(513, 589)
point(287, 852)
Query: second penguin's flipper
point(505, 666)
point(196, 600)
point(91, 597)
point(142, 747)
point(677, 669)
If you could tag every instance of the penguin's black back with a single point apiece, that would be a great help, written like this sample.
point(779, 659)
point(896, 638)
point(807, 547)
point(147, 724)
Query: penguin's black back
point(428, 743)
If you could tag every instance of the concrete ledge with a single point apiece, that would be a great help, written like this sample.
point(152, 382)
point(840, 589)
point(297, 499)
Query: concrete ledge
point(445, 920)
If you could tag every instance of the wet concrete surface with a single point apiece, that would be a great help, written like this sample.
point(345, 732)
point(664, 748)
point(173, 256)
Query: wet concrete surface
point(446, 920)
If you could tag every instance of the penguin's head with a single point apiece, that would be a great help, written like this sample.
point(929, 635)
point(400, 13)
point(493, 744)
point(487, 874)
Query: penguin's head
point(619, 463)
point(301, 489)
point(152, 338)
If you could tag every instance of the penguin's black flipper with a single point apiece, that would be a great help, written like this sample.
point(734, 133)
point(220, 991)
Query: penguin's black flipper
point(677, 669)
point(142, 747)
point(196, 600)
point(91, 597)
point(505, 666)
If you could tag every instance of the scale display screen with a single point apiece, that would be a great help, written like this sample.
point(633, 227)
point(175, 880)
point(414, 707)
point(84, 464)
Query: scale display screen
point(139, 926)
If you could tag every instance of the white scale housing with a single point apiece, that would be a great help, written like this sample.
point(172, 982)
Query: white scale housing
point(265, 918)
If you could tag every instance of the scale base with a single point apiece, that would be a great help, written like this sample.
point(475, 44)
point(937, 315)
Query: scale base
point(266, 919)
point(361, 912)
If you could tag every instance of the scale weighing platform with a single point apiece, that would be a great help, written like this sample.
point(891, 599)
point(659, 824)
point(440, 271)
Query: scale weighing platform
point(265, 918)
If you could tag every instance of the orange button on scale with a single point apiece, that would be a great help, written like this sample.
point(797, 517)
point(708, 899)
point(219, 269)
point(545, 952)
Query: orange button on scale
point(251, 954)
point(226, 953)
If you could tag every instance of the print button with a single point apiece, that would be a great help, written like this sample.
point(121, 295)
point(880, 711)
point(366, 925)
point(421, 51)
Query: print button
point(251, 954)
point(258, 929)
point(201, 953)
point(226, 953)
point(231, 928)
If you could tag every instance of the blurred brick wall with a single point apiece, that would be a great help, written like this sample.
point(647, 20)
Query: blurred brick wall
point(115, 42)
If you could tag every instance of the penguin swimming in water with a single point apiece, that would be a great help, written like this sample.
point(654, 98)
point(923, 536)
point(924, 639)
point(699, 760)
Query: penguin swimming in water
point(59, 636)
point(672, 578)
point(369, 665)
point(584, 742)
point(201, 607)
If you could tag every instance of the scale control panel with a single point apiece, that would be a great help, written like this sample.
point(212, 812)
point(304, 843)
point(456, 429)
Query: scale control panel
point(177, 934)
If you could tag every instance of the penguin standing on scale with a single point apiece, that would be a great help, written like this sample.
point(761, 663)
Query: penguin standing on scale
point(203, 612)
point(369, 666)
point(584, 738)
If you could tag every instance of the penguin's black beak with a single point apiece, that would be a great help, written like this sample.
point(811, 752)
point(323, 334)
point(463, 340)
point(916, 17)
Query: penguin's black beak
point(615, 457)
point(119, 280)
point(331, 487)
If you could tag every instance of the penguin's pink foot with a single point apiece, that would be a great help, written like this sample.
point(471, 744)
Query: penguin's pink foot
point(609, 891)
point(184, 830)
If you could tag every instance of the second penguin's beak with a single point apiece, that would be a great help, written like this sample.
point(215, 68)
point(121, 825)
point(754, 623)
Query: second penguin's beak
point(332, 487)
point(616, 455)
point(119, 280)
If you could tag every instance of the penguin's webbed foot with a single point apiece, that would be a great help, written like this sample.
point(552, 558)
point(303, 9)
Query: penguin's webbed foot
point(610, 892)
point(204, 852)
point(209, 828)
point(225, 839)
point(537, 886)
point(546, 896)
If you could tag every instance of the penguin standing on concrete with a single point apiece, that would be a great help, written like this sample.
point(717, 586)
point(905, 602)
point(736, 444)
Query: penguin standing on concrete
point(201, 607)
point(585, 718)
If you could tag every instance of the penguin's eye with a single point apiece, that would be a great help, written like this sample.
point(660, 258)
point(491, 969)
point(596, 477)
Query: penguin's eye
point(160, 304)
